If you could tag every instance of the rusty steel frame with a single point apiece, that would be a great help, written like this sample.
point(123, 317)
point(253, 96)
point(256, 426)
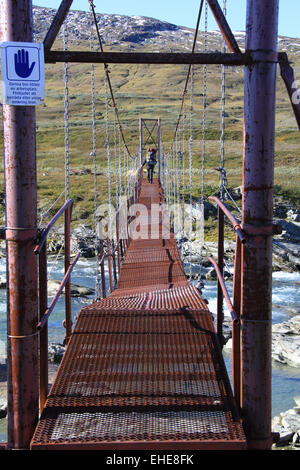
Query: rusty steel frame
point(258, 176)
point(219, 267)
point(44, 233)
point(167, 445)
point(220, 273)
point(68, 268)
point(21, 232)
point(140, 141)
point(224, 26)
point(287, 74)
point(174, 58)
point(157, 140)
point(63, 283)
point(236, 326)
point(45, 312)
point(65, 210)
point(150, 132)
point(253, 261)
point(235, 306)
point(57, 22)
point(43, 305)
point(224, 292)
point(235, 58)
point(159, 149)
point(235, 224)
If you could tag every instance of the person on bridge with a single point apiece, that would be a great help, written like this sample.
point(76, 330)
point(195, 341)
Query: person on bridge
point(151, 162)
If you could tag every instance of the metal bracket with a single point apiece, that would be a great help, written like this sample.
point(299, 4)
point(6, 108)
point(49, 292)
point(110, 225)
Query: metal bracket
point(18, 234)
point(262, 230)
point(287, 74)
point(263, 56)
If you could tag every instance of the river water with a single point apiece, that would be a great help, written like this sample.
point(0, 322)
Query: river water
point(286, 302)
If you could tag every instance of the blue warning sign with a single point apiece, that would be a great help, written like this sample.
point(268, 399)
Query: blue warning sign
point(23, 73)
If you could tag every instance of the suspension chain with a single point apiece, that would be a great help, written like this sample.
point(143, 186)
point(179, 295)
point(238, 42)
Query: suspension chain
point(93, 154)
point(203, 156)
point(121, 188)
point(66, 116)
point(94, 151)
point(183, 166)
point(204, 104)
point(116, 164)
point(222, 171)
point(108, 152)
point(109, 84)
point(191, 161)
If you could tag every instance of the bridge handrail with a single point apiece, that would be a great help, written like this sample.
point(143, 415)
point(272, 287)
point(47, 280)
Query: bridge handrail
point(65, 209)
point(121, 245)
point(45, 311)
point(236, 225)
point(44, 233)
point(49, 310)
point(235, 306)
point(225, 291)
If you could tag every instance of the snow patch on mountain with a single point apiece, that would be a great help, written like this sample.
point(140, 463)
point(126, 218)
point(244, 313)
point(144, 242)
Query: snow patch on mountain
point(135, 31)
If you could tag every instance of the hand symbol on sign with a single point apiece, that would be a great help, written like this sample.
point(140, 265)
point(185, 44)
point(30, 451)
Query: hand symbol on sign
point(22, 64)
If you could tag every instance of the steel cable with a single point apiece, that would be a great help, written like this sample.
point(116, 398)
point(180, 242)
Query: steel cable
point(92, 6)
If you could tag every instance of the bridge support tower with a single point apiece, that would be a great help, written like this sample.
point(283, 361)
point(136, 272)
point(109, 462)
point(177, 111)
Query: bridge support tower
point(258, 173)
point(20, 233)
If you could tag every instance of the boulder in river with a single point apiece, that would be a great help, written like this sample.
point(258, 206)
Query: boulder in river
point(287, 424)
point(76, 290)
point(285, 342)
point(55, 352)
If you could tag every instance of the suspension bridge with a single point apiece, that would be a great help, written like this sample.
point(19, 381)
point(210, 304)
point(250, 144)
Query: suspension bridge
point(143, 367)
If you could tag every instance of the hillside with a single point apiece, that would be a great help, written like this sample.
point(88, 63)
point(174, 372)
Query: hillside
point(147, 91)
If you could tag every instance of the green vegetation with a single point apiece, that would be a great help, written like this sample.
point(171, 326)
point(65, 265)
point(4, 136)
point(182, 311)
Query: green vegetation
point(149, 92)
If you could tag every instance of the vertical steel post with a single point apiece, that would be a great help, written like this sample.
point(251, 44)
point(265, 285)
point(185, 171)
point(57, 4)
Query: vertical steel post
point(236, 327)
point(109, 264)
point(68, 311)
point(43, 305)
point(159, 148)
point(141, 140)
point(220, 310)
point(118, 242)
point(258, 175)
point(21, 230)
point(114, 262)
point(101, 255)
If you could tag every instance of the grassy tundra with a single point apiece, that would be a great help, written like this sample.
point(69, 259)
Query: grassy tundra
point(150, 91)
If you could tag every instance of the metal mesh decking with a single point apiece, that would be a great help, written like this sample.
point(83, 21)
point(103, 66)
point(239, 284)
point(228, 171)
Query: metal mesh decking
point(143, 368)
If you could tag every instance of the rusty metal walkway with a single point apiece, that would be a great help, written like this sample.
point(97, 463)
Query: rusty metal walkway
point(143, 368)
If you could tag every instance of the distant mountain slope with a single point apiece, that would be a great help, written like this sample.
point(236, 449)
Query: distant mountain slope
point(113, 28)
point(148, 91)
point(136, 31)
point(125, 31)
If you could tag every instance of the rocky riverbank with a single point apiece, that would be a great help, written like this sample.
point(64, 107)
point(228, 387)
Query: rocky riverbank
point(287, 424)
point(285, 341)
point(285, 335)
point(286, 246)
point(286, 257)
